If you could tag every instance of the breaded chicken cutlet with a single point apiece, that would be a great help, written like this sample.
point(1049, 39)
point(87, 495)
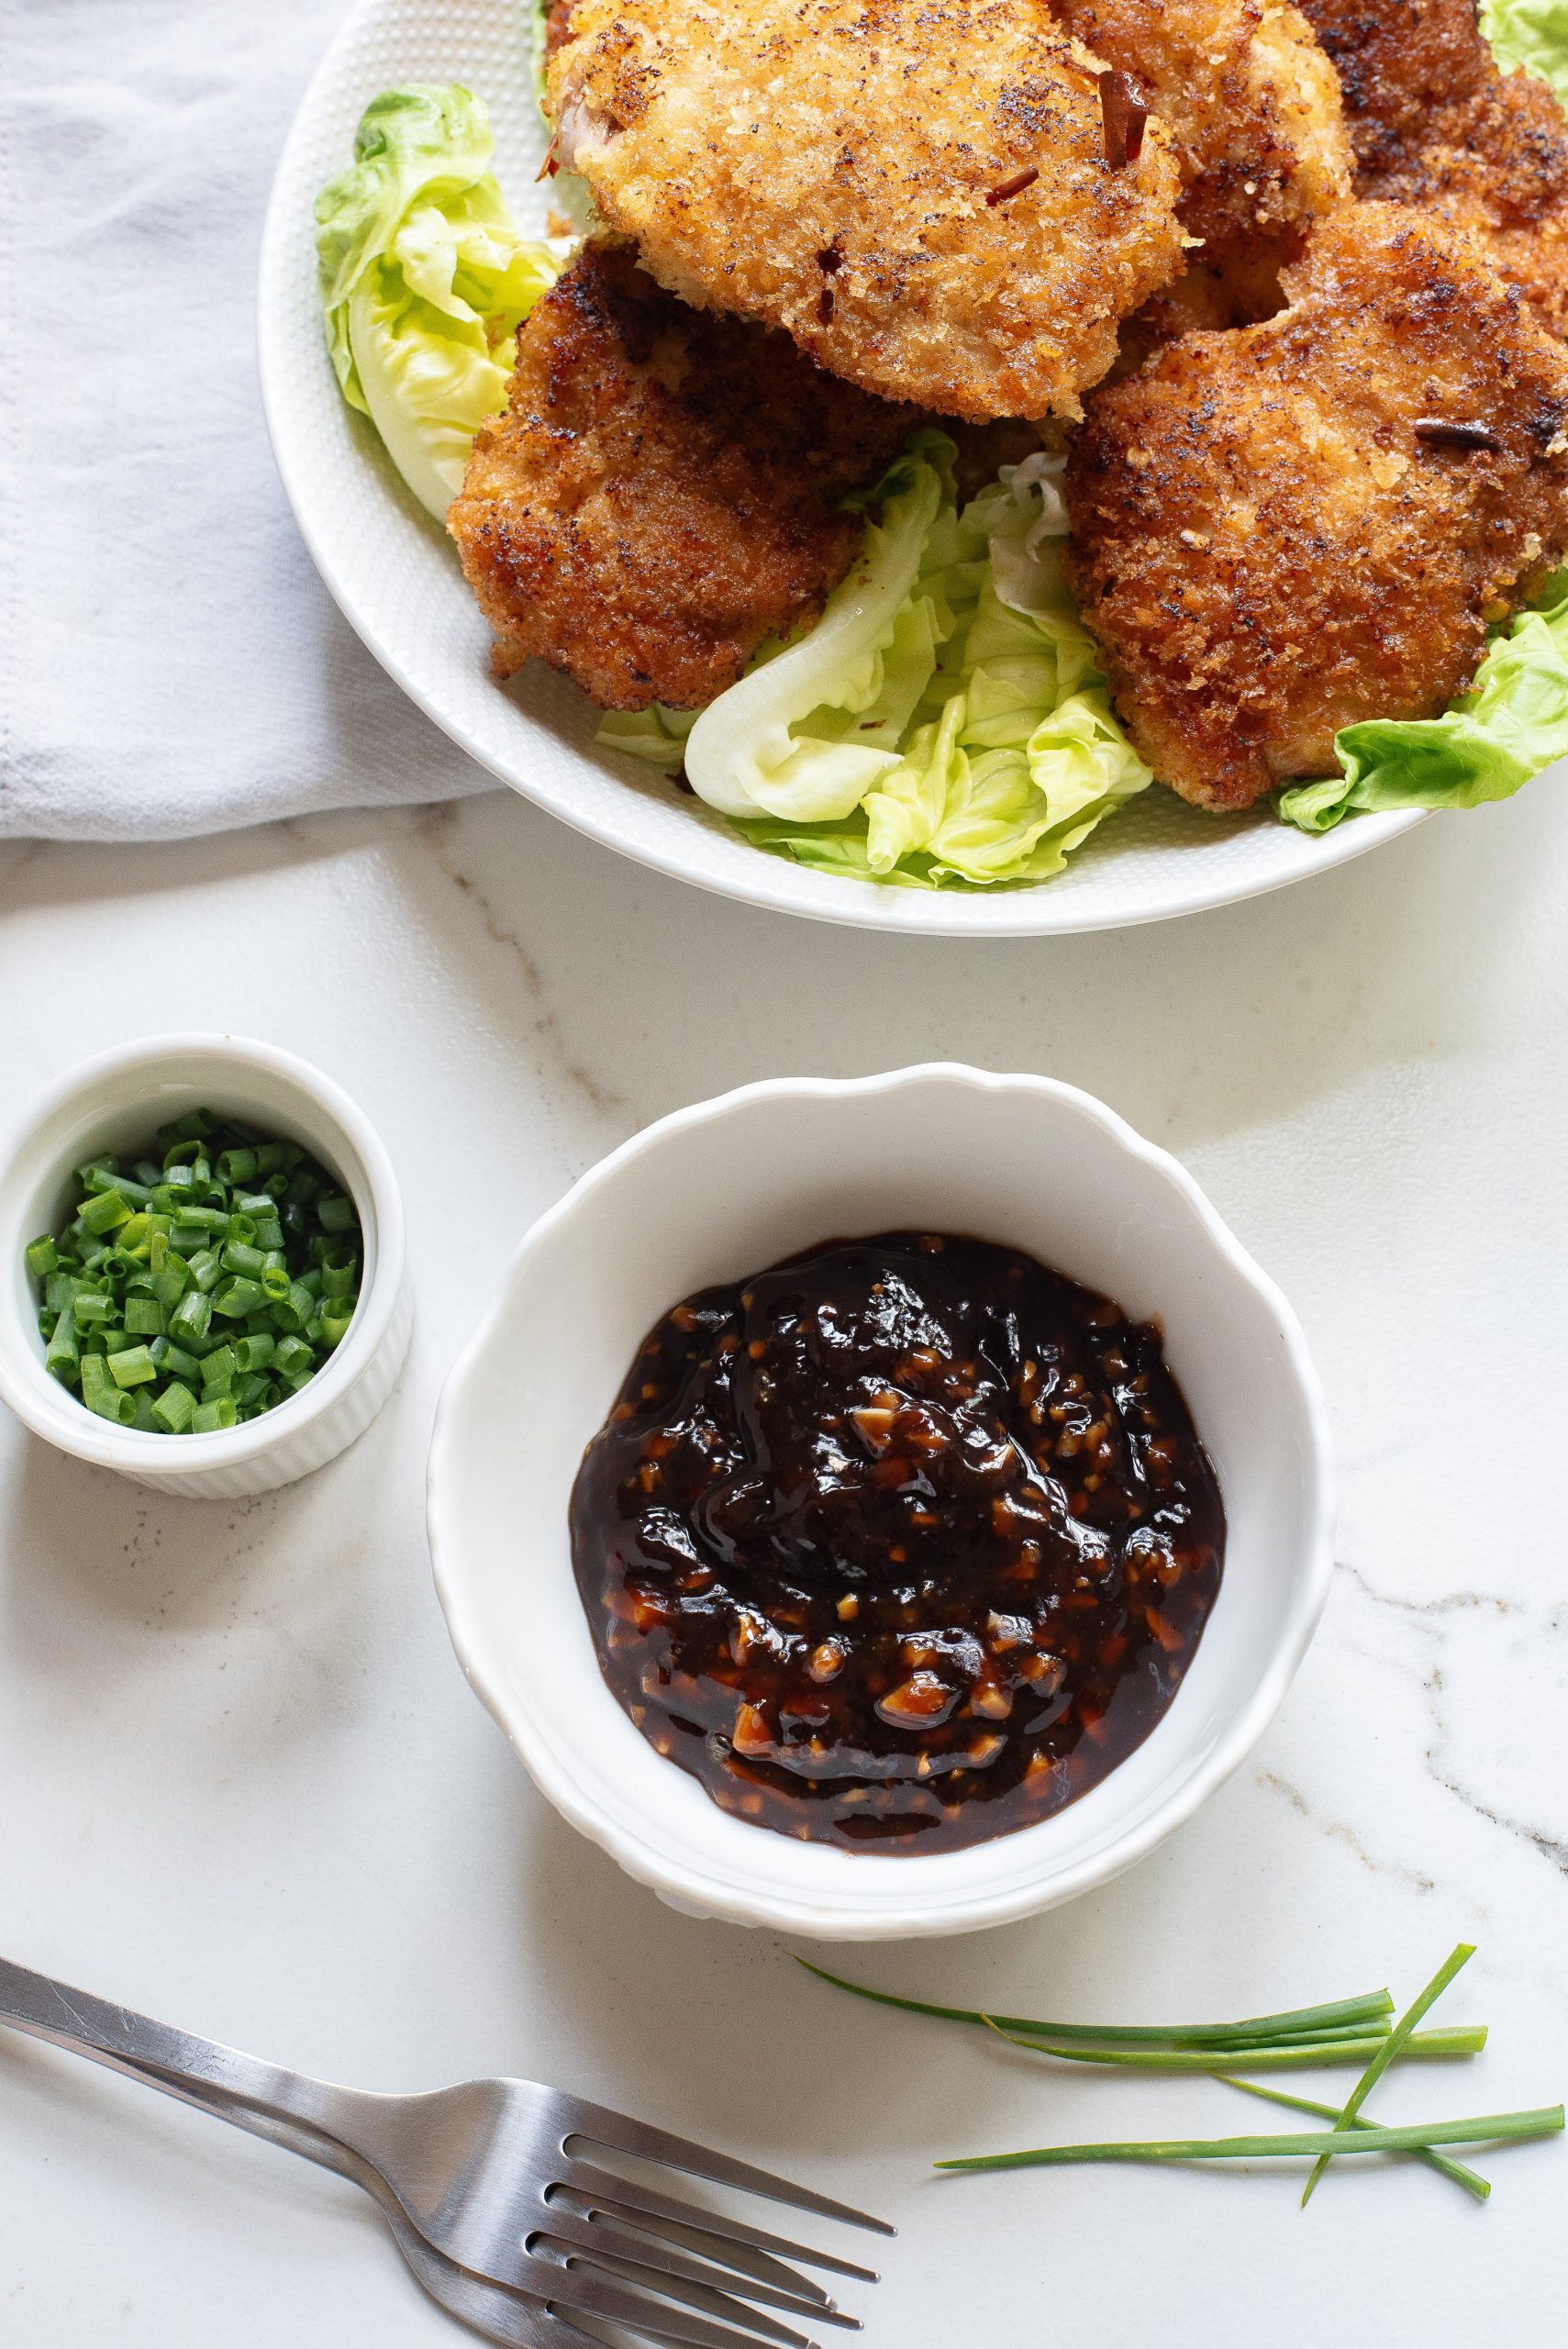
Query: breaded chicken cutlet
point(928, 196)
point(1279, 530)
point(1252, 105)
point(663, 491)
point(1437, 124)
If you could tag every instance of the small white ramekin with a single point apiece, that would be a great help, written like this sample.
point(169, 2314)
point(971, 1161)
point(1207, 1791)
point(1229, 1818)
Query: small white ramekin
point(713, 1193)
point(114, 1103)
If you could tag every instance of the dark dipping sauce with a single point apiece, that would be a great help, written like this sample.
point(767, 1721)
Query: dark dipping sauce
point(900, 1545)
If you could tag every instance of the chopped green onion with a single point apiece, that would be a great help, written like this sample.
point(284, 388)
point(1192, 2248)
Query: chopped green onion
point(191, 1318)
point(205, 1218)
point(293, 1359)
point(339, 1272)
point(103, 1212)
point(238, 1299)
point(174, 1406)
point(213, 1219)
point(63, 1353)
point(335, 1326)
point(173, 1279)
point(195, 1125)
point(206, 1270)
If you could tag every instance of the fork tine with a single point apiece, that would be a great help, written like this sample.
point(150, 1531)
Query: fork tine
point(679, 2294)
point(628, 2198)
point(601, 2127)
point(578, 2292)
point(724, 2255)
point(603, 2237)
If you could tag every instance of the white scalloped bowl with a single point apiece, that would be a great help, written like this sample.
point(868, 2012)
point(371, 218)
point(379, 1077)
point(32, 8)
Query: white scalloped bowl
point(720, 1190)
point(395, 575)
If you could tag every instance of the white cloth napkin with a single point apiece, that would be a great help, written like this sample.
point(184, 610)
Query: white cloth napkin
point(168, 660)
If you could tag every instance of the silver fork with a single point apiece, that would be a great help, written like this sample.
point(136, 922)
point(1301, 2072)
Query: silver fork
point(479, 2179)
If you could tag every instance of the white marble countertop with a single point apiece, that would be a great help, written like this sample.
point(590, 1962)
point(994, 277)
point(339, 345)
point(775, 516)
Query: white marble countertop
point(246, 1788)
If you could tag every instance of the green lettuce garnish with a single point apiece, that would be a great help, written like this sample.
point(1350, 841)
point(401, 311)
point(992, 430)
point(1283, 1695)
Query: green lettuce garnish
point(1514, 721)
point(1511, 725)
point(943, 722)
point(425, 281)
point(1531, 33)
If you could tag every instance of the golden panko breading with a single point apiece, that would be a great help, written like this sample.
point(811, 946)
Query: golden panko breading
point(1254, 107)
point(1436, 124)
point(1282, 529)
point(921, 192)
point(663, 491)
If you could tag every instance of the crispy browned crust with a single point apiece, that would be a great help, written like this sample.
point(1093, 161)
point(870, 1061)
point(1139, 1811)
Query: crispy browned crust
point(1436, 124)
point(825, 165)
point(660, 496)
point(1253, 107)
point(1263, 545)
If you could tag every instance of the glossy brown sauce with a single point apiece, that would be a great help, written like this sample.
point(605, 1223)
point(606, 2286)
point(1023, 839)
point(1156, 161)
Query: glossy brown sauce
point(899, 1545)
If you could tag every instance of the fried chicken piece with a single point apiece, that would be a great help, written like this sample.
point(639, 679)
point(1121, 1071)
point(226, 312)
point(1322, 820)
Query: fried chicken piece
point(1254, 107)
point(1270, 540)
point(918, 191)
point(663, 491)
point(1437, 124)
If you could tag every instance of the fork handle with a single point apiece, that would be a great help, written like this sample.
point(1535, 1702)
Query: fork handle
point(118, 2036)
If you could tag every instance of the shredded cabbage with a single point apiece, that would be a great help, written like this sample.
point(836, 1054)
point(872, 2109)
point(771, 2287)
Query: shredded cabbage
point(425, 281)
point(944, 721)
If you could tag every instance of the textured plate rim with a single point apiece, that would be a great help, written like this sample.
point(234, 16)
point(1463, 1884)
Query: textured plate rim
point(1016, 913)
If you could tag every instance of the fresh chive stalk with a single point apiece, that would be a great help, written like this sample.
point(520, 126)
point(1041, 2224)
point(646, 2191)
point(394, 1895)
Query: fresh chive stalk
point(1479, 2129)
point(1368, 2015)
point(1471, 2180)
point(1263, 2055)
point(1399, 2038)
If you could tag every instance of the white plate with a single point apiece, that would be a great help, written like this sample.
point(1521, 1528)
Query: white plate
point(396, 573)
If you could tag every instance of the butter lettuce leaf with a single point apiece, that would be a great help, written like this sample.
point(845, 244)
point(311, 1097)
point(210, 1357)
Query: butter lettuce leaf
point(425, 281)
point(944, 722)
point(1512, 723)
point(1531, 33)
point(814, 725)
